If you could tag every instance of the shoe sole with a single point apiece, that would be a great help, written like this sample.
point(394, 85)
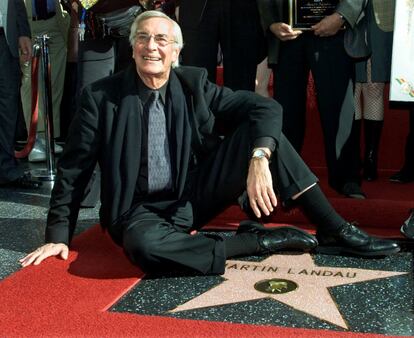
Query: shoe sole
point(338, 250)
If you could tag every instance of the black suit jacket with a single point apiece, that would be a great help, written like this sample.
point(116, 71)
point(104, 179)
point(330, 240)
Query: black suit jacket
point(17, 25)
point(107, 130)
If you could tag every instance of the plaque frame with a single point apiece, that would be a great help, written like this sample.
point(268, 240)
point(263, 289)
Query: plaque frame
point(302, 24)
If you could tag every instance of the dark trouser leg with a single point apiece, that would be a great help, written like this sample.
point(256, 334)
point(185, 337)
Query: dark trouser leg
point(222, 176)
point(157, 238)
point(240, 27)
point(96, 60)
point(9, 96)
point(352, 152)
point(290, 89)
point(332, 69)
point(372, 131)
point(202, 40)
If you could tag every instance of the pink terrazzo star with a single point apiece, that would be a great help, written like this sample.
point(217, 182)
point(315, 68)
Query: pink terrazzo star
point(294, 280)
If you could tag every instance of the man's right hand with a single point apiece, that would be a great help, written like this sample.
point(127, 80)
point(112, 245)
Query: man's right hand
point(283, 31)
point(45, 251)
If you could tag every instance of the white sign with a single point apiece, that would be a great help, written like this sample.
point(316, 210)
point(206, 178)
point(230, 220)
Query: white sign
point(402, 68)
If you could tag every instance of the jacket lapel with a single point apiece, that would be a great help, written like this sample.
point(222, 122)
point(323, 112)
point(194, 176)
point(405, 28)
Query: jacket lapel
point(180, 131)
point(126, 142)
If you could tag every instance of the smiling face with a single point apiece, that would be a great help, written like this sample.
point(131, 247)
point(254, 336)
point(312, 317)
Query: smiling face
point(153, 58)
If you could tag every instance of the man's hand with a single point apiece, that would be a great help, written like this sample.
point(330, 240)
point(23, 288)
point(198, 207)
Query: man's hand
point(45, 251)
point(283, 31)
point(260, 187)
point(25, 45)
point(329, 25)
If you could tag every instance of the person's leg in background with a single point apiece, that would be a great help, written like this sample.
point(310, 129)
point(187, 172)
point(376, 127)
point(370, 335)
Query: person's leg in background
point(57, 57)
point(406, 173)
point(290, 82)
point(332, 69)
point(68, 104)
point(96, 59)
point(371, 75)
point(373, 120)
point(242, 42)
point(9, 90)
point(201, 39)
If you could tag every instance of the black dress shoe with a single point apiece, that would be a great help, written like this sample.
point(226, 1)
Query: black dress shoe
point(280, 238)
point(352, 190)
point(407, 229)
point(351, 240)
point(23, 182)
point(402, 176)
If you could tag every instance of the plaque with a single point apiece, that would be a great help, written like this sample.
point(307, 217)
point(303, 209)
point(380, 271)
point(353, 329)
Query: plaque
point(305, 13)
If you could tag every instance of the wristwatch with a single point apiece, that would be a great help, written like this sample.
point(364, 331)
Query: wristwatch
point(259, 153)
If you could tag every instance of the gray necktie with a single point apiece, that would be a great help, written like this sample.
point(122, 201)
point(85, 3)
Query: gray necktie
point(159, 164)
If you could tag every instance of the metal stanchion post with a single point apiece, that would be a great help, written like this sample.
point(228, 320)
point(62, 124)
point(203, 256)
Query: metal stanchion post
point(49, 173)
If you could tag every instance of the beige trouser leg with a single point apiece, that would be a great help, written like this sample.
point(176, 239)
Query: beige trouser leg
point(57, 58)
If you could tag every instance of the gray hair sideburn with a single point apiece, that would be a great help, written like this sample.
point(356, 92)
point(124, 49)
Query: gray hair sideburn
point(178, 36)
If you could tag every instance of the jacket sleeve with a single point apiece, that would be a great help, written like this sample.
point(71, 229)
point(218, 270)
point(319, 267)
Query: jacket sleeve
point(21, 18)
point(75, 168)
point(351, 10)
point(264, 115)
point(270, 12)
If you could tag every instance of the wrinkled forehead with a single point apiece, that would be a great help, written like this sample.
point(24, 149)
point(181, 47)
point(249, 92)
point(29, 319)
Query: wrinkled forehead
point(156, 26)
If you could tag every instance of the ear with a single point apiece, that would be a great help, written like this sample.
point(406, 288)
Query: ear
point(175, 54)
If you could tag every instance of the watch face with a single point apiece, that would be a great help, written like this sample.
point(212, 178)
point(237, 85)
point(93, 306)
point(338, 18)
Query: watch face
point(259, 153)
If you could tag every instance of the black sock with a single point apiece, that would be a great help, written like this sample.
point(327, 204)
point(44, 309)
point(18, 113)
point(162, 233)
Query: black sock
point(241, 245)
point(318, 209)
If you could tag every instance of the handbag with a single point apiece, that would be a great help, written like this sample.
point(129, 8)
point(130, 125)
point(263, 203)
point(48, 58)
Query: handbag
point(117, 23)
point(355, 40)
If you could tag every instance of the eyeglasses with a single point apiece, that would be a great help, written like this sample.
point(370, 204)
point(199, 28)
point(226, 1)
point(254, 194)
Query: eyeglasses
point(160, 39)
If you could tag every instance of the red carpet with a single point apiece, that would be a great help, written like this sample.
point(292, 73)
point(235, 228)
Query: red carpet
point(69, 299)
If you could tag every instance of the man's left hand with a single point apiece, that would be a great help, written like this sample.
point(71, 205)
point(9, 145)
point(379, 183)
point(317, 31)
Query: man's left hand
point(260, 187)
point(25, 44)
point(329, 25)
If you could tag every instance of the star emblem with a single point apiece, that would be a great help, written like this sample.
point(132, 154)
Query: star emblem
point(294, 280)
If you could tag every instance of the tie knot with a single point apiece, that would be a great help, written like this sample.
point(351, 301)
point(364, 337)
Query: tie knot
point(154, 95)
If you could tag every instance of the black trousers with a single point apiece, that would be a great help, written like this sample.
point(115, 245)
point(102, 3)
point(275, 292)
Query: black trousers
point(156, 234)
point(235, 26)
point(332, 71)
point(9, 96)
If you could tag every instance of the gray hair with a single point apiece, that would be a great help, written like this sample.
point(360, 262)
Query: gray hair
point(178, 36)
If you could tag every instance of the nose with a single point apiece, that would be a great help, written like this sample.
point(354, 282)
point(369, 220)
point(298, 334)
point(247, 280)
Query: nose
point(151, 44)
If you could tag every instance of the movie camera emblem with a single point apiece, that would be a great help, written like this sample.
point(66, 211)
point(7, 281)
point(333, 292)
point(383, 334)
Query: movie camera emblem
point(275, 286)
